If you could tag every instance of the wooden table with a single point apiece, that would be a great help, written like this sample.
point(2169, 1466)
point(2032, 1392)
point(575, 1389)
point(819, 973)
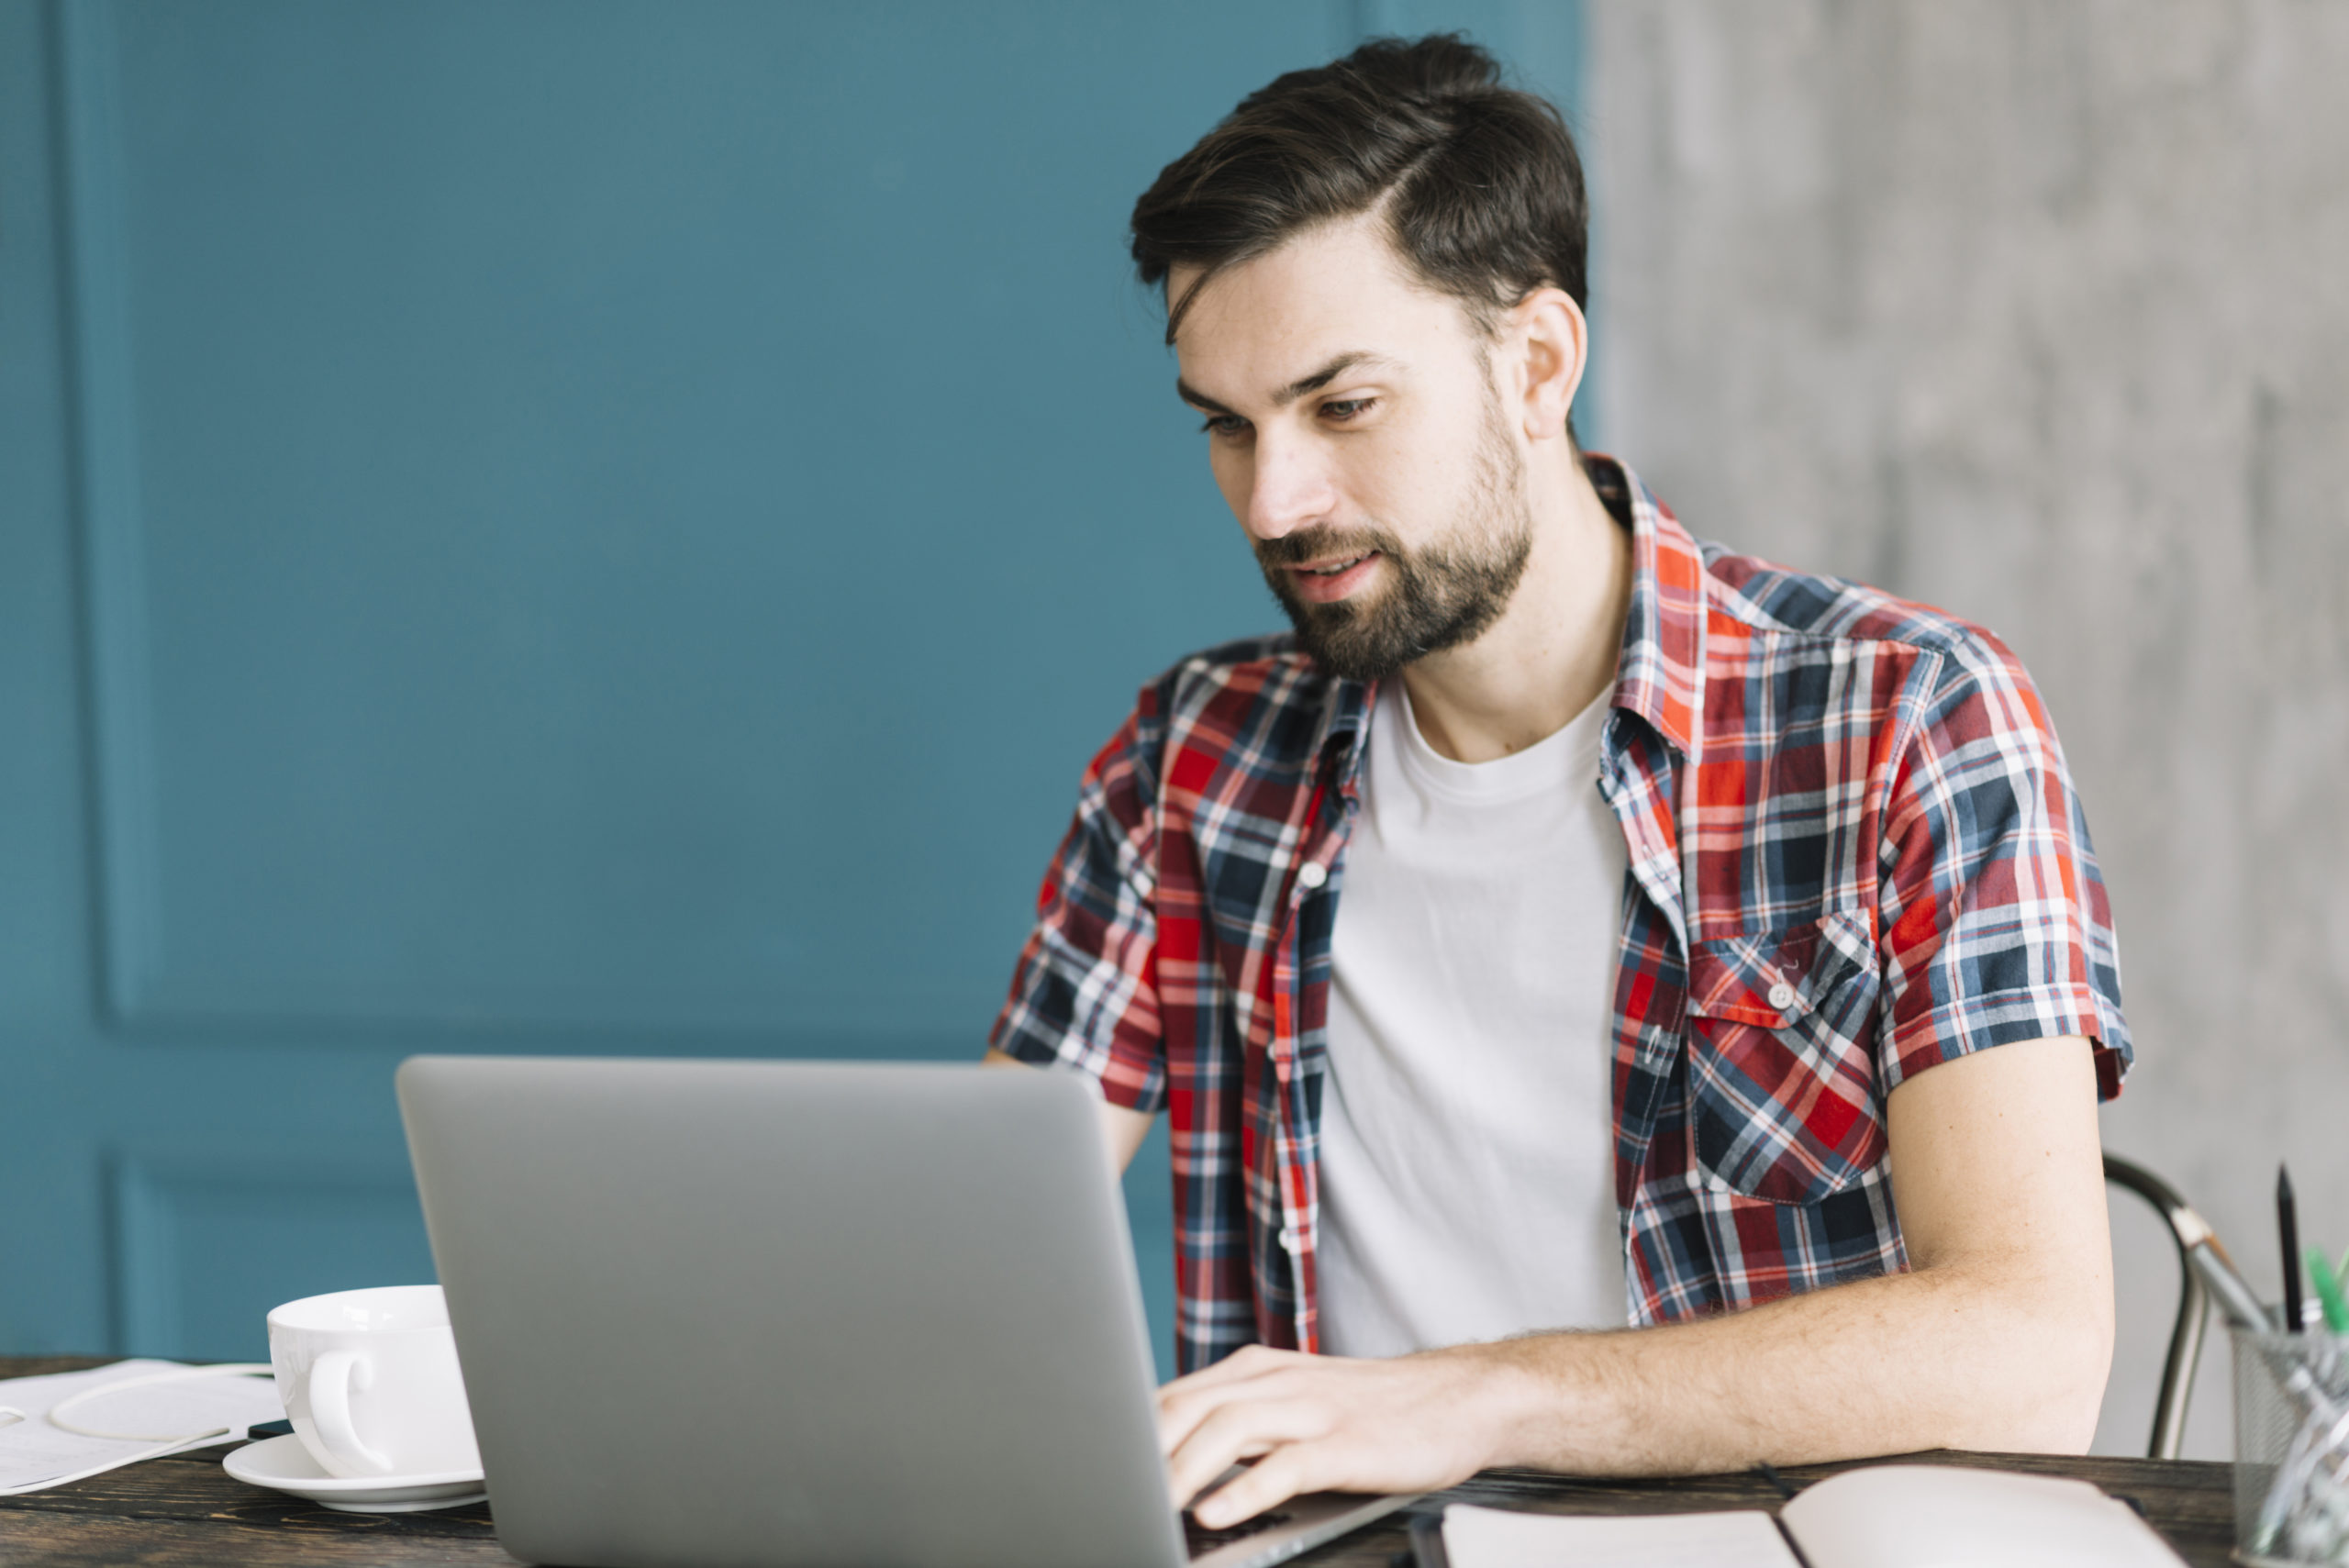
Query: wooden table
point(186, 1509)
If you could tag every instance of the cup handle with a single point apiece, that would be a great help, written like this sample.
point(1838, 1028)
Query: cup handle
point(332, 1377)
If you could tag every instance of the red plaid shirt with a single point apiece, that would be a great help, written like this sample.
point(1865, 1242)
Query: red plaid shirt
point(1854, 852)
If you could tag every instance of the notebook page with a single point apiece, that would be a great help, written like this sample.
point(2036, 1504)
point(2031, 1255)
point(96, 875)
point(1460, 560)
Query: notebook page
point(1939, 1516)
point(1497, 1537)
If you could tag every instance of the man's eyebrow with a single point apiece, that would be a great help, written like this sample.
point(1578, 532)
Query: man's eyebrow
point(1197, 399)
point(1353, 360)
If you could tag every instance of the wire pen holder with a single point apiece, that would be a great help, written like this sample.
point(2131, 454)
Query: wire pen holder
point(2291, 1447)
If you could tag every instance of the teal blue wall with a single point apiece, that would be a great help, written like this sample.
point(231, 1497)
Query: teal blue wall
point(555, 527)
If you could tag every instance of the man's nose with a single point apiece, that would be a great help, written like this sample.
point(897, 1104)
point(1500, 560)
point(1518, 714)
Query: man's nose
point(1290, 489)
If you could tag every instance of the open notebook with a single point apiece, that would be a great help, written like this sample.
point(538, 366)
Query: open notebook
point(1888, 1515)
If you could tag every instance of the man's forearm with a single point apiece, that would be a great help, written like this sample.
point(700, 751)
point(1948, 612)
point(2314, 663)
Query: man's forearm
point(1983, 1356)
point(1999, 1338)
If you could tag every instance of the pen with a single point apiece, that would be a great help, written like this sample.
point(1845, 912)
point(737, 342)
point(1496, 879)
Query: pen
point(2208, 1256)
point(2287, 1229)
point(2229, 1288)
point(2328, 1293)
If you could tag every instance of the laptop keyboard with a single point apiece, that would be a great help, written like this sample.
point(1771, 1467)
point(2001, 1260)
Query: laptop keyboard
point(1203, 1541)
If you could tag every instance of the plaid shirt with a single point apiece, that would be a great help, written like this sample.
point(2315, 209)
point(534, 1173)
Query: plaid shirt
point(1854, 852)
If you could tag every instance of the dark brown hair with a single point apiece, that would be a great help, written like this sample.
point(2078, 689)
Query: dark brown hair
point(1479, 183)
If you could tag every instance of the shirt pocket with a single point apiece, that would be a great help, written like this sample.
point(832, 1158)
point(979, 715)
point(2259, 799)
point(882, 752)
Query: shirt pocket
point(1783, 1104)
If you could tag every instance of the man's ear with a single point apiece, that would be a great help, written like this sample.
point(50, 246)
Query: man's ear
point(1555, 344)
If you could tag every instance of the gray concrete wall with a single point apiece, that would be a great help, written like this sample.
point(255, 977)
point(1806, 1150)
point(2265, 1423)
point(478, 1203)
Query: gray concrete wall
point(2039, 312)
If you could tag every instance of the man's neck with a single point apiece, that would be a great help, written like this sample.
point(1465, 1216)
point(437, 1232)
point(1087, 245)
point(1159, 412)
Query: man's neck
point(1553, 652)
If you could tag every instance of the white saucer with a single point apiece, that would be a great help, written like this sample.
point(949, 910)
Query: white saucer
point(285, 1464)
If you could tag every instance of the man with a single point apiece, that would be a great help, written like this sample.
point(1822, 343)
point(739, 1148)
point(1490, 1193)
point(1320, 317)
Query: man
point(1622, 1007)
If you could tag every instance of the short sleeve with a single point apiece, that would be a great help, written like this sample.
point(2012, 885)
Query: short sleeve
point(1084, 993)
point(1994, 925)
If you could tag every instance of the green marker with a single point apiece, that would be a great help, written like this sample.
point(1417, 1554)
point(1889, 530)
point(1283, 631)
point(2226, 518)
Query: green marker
point(2328, 1292)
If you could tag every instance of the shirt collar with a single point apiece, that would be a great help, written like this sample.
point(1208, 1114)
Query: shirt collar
point(1660, 672)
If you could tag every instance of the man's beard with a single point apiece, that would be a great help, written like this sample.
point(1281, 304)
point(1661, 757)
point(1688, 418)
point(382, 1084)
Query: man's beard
point(1442, 596)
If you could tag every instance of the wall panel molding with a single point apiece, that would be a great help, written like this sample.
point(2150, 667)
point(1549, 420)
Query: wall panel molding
point(103, 421)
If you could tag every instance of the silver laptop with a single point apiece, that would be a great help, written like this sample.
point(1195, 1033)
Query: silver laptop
point(803, 1313)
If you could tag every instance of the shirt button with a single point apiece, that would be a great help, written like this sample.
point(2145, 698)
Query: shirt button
point(1312, 874)
point(1782, 996)
point(1288, 1240)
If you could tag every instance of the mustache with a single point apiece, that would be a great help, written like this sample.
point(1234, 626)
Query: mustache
point(1321, 542)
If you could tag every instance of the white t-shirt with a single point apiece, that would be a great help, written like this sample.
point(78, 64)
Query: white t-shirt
point(1467, 1138)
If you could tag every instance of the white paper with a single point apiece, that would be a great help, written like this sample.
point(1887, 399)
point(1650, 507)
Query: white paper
point(1497, 1537)
point(34, 1454)
point(1943, 1516)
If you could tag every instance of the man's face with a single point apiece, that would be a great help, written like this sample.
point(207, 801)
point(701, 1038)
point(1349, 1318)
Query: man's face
point(1356, 432)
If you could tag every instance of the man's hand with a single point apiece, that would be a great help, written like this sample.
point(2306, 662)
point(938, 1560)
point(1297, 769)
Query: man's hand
point(1315, 1423)
point(1998, 1337)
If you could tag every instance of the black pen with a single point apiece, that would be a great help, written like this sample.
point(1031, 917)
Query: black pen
point(2287, 1229)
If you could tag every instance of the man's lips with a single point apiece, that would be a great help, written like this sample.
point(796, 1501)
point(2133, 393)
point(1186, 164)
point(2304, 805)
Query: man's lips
point(1316, 583)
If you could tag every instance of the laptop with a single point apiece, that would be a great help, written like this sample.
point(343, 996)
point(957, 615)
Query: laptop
point(768, 1315)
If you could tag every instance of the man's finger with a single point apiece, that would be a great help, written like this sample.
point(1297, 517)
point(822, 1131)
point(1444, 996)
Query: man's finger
point(1181, 1409)
point(1274, 1479)
point(1249, 1360)
point(1230, 1434)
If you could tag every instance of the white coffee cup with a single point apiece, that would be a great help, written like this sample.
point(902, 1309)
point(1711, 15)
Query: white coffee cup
point(369, 1380)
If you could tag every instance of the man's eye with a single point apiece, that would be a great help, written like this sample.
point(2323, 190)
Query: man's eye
point(1347, 407)
point(1226, 424)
